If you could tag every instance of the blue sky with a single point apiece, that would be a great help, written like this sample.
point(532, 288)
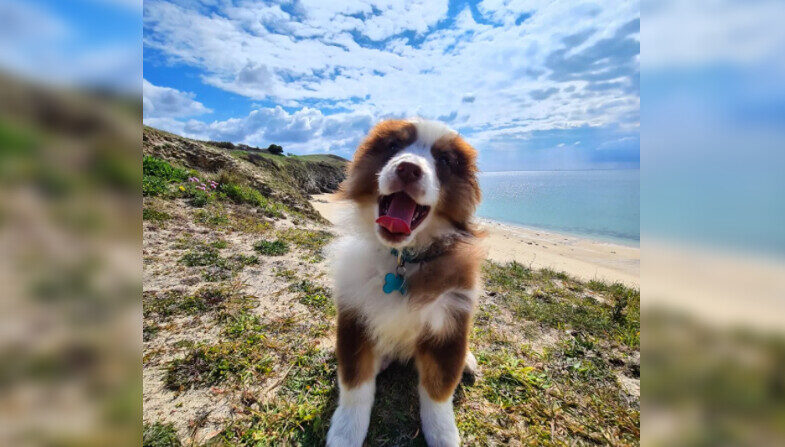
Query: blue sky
point(76, 42)
point(533, 85)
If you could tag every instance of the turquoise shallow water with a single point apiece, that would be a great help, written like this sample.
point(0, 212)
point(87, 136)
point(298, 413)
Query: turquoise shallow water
point(602, 205)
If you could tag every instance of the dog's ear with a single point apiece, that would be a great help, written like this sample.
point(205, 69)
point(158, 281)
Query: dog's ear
point(381, 143)
point(456, 167)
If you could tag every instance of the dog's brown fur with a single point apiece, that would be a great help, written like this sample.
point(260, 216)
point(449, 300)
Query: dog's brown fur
point(439, 357)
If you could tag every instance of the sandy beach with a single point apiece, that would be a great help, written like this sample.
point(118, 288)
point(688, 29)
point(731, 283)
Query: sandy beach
point(582, 258)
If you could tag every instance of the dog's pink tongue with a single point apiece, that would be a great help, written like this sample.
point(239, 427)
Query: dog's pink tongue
point(399, 215)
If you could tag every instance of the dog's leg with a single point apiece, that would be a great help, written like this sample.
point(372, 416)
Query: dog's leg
point(438, 421)
point(357, 368)
point(470, 366)
point(440, 363)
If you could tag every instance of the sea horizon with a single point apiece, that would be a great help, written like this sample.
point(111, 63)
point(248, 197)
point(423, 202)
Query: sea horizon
point(598, 204)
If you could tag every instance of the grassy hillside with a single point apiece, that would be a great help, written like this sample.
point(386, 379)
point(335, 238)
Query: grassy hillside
point(239, 323)
point(284, 180)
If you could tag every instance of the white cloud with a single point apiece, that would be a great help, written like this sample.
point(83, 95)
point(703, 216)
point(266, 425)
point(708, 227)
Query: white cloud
point(167, 102)
point(304, 131)
point(693, 34)
point(563, 66)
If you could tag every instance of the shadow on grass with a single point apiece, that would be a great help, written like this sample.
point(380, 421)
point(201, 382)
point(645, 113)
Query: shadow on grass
point(395, 419)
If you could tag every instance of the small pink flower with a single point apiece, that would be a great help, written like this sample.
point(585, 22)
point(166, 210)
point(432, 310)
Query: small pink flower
point(193, 179)
point(201, 187)
point(213, 185)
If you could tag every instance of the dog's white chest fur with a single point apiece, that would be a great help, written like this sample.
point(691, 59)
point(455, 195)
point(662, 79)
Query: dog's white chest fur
point(359, 267)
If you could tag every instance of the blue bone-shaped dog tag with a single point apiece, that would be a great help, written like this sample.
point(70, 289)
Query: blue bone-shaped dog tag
point(393, 282)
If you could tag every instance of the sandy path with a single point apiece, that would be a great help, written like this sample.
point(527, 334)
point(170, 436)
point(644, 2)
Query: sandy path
point(580, 257)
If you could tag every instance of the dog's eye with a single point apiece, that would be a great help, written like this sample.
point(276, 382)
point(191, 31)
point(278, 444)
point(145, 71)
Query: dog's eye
point(444, 160)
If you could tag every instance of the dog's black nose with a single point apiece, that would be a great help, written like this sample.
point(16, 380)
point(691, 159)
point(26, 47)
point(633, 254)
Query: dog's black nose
point(408, 172)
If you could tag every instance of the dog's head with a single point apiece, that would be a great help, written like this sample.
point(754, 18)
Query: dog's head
point(413, 180)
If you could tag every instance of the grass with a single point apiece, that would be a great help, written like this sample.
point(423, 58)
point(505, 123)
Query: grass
point(208, 365)
point(153, 215)
point(217, 267)
point(166, 304)
point(249, 348)
point(564, 393)
point(550, 348)
point(314, 296)
point(242, 194)
point(272, 248)
point(160, 435)
point(202, 255)
point(211, 218)
point(300, 411)
point(312, 241)
point(223, 299)
point(534, 295)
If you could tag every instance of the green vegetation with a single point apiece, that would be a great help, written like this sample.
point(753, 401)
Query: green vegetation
point(202, 255)
point(300, 412)
point(275, 149)
point(155, 167)
point(208, 365)
point(314, 296)
point(559, 358)
point(242, 194)
point(247, 351)
point(313, 241)
point(217, 267)
point(157, 174)
point(160, 435)
point(154, 186)
point(211, 218)
point(534, 295)
point(173, 302)
point(154, 215)
point(272, 248)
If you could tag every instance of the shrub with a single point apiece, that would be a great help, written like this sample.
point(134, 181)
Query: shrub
point(241, 194)
point(198, 198)
point(221, 144)
point(154, 186)
point(275, 149)
point(272, 248)
point(155, 167)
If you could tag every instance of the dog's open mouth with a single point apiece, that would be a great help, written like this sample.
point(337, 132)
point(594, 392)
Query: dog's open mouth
point(399, 214)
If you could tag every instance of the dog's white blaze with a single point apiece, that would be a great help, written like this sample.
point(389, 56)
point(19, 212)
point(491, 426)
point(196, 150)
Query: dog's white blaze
point(428, 132)
point(438, 421)
point(426, 190)
point(350, 420)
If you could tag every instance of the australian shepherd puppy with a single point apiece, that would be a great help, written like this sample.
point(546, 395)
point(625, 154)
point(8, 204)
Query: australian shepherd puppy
point(407, 273)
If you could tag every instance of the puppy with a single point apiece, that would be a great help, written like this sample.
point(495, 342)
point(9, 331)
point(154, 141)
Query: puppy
point(407, 273)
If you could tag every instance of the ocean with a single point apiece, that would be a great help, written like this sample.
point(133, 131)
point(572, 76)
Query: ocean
point(602, 205)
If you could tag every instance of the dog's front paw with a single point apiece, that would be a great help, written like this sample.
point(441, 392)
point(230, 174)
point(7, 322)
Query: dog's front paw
point(348, 428)
point(438, 422)
point(443, 437)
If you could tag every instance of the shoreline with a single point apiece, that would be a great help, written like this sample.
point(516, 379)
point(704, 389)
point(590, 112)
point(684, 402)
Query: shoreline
point(581, 257)
point(594, 238)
